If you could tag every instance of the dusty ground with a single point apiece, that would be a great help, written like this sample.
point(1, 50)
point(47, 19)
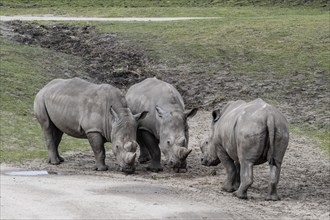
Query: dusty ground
point(75, 188)
point(304, 188)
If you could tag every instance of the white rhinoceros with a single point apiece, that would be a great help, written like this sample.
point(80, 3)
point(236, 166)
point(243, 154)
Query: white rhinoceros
point(85, 110)
point(165, 128)
point(246, 134)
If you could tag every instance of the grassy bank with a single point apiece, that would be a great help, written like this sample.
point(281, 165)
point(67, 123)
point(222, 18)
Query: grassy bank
point(288, 44)
point(161, 3)
point(24, 71)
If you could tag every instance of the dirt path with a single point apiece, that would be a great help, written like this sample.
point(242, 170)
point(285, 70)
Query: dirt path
point(78, 192)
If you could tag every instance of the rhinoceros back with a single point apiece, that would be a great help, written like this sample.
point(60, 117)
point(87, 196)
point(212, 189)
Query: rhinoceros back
point(148, 94)
point(77, 107)
point(250, 124)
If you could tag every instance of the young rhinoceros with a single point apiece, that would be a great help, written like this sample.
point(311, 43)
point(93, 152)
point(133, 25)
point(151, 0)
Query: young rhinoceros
point(243, 135)
point(165, 128)
point(85, 110)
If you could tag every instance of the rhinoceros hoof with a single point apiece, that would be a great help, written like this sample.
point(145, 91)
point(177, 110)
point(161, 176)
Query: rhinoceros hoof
point(228, 189)
point(155, 169)
point(239, 195)
point(273, 198)
point(54, 162)
point(144, 159)
point(102, 168)
point(61, 159)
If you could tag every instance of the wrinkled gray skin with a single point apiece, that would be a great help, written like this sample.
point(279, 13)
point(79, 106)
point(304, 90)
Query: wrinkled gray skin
point(165, 128)
point(86, 110)
point(243, 135)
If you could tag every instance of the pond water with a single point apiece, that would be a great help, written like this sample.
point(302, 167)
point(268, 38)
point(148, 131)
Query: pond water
point(28, 173)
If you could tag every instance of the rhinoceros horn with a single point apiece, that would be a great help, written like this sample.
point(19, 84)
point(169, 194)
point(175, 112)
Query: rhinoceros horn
point(130, 158)
point(184, 153)
point(129, 147)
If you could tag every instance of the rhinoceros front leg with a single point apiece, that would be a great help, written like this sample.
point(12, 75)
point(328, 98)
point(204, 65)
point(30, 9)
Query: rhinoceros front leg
point(275, 170)
point(151, 143)
point(230, 167)
point(53, 137)
point(96, 141)
point(144, 154)
point(246, 175)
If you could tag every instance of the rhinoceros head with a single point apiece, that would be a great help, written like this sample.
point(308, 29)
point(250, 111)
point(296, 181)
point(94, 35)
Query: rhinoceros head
point(123, 137)
point(209, 154)
point(173, 133)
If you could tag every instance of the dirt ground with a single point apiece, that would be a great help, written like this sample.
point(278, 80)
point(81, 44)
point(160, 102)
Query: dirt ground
point(304, 184)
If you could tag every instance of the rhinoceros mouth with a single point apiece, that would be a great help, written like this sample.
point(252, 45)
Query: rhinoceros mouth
point(180, 169)
point(210, 163)
point(128, 170)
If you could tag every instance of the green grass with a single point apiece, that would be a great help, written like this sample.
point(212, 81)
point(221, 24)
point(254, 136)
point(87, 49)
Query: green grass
point(321, 137)
point(225, 11)
point(254, 42)
point(160, 3)
point(252, 45)
point(24, 70)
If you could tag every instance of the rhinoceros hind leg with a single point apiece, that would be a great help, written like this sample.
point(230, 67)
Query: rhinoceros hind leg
point(275, 170)
point(96, 141)
point(151, 143)
point(246, 176)
point(53, 137)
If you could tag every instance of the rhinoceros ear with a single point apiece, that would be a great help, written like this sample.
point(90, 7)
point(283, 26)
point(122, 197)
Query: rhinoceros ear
point(141, 115)
point(114, 113)
point(216, 115)
point(160, 112)
point(191, 113)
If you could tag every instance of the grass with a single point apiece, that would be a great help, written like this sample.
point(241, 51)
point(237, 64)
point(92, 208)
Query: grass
point(250, 41)
point(321, 137)
point(224, 11)
point(249, 45)
point(160, 3)
point(23, 72)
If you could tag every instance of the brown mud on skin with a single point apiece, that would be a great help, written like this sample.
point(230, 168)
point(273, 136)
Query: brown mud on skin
point(303, 187)
point(109, 58)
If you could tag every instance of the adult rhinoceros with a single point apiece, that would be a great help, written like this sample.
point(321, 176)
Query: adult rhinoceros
point(85, 110)
point(165, 128)
point(243, 135)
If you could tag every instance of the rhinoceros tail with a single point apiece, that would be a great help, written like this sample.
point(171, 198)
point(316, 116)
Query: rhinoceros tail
point(271, 139)
point(40, 111)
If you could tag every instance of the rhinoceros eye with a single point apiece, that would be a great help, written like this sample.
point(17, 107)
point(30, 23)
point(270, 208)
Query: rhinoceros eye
point(169, 142)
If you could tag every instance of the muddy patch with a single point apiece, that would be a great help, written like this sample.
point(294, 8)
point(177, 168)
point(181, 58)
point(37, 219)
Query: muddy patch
point(107, 57)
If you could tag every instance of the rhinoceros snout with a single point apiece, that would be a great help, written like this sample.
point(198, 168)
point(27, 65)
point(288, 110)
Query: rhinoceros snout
point(128, 169)
point(203, 161)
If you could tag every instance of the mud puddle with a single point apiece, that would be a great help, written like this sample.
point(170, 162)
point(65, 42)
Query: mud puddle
point(30, 173)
